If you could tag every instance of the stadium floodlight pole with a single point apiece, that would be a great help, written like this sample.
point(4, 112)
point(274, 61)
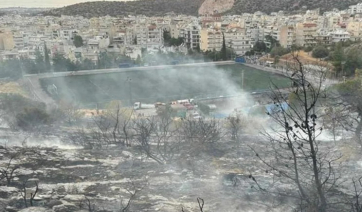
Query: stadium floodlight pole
point(128, 80)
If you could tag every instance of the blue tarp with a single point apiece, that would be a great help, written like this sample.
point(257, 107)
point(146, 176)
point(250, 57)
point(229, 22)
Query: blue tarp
point(220, 115)
point(276, 108)
point(240, 60)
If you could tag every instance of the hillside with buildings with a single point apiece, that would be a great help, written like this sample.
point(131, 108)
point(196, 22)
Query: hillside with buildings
point(148, 8)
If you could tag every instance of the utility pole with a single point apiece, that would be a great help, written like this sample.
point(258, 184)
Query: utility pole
point(128, 80)
point(242, 79)
point(344, 76)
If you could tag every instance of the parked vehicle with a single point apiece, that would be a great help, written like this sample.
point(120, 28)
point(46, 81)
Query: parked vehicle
point(189, 106)
point(125, 65)
point(139, 105)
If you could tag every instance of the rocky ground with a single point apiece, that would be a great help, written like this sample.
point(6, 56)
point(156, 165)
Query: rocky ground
point(75, 179)
point(69, 178)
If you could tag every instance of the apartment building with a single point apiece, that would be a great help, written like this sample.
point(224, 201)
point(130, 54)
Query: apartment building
point(305, 34)
point(148, 36)
point(355, 9)
point(286, 35)
point(210, 39)
point(192, 36)
point(339, 36)
point(6, 41)
point(18, 40)
point(323, 37)
point(354, 28)
point(238, 40)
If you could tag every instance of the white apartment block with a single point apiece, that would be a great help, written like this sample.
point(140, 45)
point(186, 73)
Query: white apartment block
point(192, 36)
point(148, 36)
point(339, 36)
point(355, 9)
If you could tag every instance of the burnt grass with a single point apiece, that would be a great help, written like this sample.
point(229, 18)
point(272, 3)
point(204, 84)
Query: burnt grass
point(104, 175)
point(219, 174)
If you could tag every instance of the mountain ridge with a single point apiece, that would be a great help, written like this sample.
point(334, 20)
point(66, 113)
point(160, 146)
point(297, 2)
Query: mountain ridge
point(146, 7)
point(194, 7)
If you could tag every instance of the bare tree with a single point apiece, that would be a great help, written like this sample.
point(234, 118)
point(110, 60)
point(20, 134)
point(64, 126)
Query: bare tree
point(200, 134)
point(9, 172)
point(293, 152)
point(70, 111)
point(234, 124)
point(111, 127)
point(166, 136)
point(87, 204)
point(200, 203)
point(133, 189)
point(349, 103)
point(144, 128)
point(356, 201)
point(24, 193)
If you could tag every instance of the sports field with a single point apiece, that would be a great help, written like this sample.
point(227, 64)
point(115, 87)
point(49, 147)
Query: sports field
point(161, 85)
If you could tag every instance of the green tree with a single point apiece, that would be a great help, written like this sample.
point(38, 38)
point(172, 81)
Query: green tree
point(59, 62)
point(320, 52)
point(138, 60)
point(166, 38)
point(259, 46)
point(71, 66)
point(87, 64)
point(338, 58)
point(353, 61)
point(46, 59)
point(12, 69)
point(31, 118)
point(351, 94)
point(223, 48)
point(273, 42)
point(78, 41)
point(104, 61)
point(39, 61)
point(278, 51)
point(29, 66)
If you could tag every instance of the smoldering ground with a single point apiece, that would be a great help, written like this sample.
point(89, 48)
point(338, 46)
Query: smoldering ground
point(102, 172)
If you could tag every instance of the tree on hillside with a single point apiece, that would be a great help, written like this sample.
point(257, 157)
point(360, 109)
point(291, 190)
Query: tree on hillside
point(78, 41)
point(278, 51)
point(11, 69)
point(170, 41)
point(259, 46)
point(320, 52)
point(273, 42)
point(59, 62)
point(350, 115)
point(292, 152)
point(338, 58)
point(353, 61)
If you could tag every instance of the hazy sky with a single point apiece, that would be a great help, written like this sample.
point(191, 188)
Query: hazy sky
point(42, 3)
